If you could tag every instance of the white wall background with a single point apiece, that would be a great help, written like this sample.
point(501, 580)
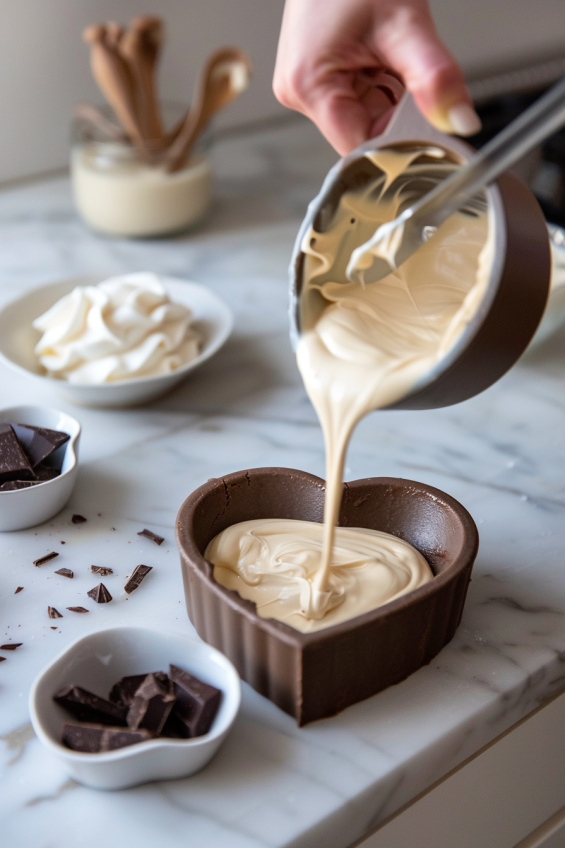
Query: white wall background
point(44, 64)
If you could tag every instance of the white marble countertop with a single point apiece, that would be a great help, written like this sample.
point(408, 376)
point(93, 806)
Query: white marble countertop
point(502, 455)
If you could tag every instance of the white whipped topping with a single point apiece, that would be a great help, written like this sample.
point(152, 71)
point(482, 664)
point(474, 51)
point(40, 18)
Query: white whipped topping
point(123, 328)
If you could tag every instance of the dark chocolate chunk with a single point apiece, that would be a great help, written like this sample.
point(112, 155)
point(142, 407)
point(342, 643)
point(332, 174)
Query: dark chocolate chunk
point(78, 519)
point(102, 570)
point(53, 613)
point(196, 702)
point(65, 572)
point(89, 707)
point(100, 594)
point(95, 738)
point(14, 464)
point(139, 573)
point(123, 691)
point(2, 659)
point(13, 485)
point(11, 646)
point(77, 609)
point(45, 473)
point(18, 590)
point(151, 704)
point(39, 442)
point(45, 559)
point(153, 537)
point(175, 728)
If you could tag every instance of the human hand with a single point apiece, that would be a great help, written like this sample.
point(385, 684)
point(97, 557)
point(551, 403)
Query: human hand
point(331, 52)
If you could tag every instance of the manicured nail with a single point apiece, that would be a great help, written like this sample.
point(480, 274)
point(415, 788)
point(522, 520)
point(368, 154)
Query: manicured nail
point(463, 119)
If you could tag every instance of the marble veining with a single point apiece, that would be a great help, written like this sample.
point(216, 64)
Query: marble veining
point(501, 454)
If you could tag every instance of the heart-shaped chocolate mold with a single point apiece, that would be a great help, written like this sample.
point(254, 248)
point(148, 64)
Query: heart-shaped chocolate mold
point(315, 675)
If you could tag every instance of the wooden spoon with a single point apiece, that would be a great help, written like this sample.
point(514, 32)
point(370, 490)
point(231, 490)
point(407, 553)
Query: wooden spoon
point(140, 46)
point(225, 76)
point(113, 75)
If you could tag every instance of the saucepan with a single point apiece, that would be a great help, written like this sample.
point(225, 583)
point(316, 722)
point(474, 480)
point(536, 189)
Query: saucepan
point(519, 281)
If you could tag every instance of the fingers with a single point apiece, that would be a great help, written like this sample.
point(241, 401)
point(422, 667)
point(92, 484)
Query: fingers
point(407, 41)
point(349, 114)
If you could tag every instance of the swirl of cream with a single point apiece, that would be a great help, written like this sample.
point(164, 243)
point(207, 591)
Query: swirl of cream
point(122, 328)
point(273, 562)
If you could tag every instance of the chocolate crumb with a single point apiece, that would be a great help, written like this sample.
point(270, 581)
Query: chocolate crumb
point(153, 537)
point(139, 573)
point(78, 519)
point(11, 646)
point(100, 569)
point(18, 590)
point(65, 572)
point(53, 628)
point(53, 613)
point(100, 594)
point(2, 659)
point(77, 609)
point(45, 559)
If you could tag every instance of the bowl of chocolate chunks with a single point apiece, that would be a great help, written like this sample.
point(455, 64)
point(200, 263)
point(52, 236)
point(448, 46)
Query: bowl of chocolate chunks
point(129, 705)
point(38, 464)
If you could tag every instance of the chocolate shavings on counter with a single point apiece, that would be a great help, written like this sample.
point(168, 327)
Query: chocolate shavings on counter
point(53, 613)
point(153, 537)
point(102, 570)
point(78, 519)
point(45, 559)
point(139, 574)
point(65, 572)
point(100, 594)
point(77, 609)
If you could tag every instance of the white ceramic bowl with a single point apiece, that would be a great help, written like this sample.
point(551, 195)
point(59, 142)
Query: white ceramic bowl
point(99, 660)
point(27, 507)
point(212, 318)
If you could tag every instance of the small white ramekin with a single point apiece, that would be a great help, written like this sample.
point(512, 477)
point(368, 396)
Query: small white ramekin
point(99, 660)
point(23, 508)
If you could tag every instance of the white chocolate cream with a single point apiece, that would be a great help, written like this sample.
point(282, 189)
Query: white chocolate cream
point(123, 328)
point(273, 562)
point(364, 347)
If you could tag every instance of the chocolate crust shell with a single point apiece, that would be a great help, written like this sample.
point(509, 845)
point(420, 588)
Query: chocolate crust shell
point(316, 675)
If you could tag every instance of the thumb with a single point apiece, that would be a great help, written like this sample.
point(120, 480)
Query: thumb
point(415, 51)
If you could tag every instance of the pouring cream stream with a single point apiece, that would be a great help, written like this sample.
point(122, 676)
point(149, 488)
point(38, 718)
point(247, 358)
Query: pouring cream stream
point(361, 348)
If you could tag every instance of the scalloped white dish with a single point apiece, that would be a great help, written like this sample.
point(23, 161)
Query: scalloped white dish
point(27, 507)
point(96, 662)
point(212, 319)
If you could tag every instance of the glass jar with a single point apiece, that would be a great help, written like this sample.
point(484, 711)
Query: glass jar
point(119, 191)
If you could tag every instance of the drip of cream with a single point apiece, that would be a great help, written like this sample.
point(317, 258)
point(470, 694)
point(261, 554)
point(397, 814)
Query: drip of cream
point(122, 328)
point(369, 569)
point(363, 347)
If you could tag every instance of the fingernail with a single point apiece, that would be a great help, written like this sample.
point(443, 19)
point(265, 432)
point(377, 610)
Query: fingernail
point(463, 119)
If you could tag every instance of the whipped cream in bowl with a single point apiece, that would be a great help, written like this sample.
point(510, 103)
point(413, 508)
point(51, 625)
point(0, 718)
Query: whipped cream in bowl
point(113, 342)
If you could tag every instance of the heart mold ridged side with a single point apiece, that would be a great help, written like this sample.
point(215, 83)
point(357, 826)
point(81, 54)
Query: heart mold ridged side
point(312, 676)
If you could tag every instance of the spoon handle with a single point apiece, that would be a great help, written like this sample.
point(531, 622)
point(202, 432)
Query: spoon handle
point(532, 127)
